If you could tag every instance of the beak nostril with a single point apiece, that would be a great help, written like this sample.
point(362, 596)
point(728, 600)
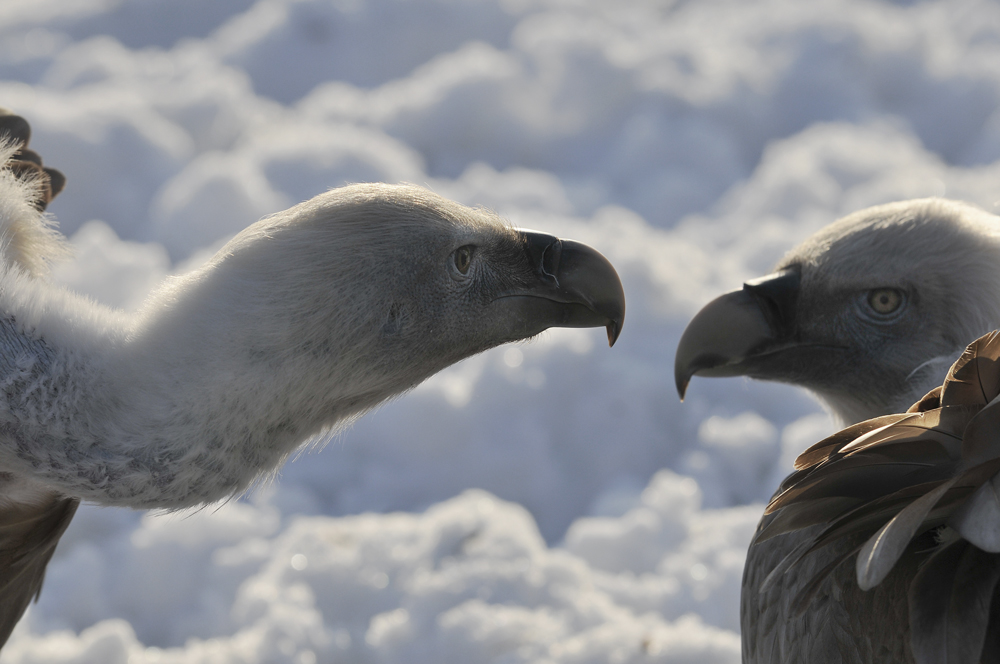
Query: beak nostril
point(549, 264)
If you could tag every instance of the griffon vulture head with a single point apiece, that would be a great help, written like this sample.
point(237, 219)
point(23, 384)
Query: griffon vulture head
point(868, 313)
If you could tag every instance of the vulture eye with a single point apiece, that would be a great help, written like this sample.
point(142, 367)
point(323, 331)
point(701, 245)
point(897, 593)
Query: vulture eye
point(463, 258)
point(885, 301)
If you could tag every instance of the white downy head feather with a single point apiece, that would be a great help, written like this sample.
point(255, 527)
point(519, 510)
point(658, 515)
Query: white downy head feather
point(944, 254)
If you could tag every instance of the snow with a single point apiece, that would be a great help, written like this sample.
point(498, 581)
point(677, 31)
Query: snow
point(545, 502)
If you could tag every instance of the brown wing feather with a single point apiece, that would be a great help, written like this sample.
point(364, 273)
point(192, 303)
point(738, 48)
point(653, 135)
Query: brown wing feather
point(972, 592)
point(975, 378)
point(949, 603)
point(930, 401)
point(29, 533)
point(895, 482)
point(830, 445)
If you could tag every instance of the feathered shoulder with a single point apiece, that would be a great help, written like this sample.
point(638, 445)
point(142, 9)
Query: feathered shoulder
point(923, 483)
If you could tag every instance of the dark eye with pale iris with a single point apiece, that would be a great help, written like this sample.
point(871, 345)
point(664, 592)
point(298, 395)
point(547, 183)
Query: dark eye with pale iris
point(885, 301)
point(463, 259)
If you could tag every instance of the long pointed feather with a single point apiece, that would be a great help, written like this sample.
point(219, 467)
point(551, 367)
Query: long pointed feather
point(969, 611)
point(895, 435)
point(991, 644)
point(929, 599)
point(804, 514)
point(930, 401)
point(974, 379)
point(981, 441)
point(864, 514)
point(783, 565)
point(860, 478)
point(950, 605)
point(874, 514)
point(846, 525)
point(880, 553)
point(978, 520)
point(867, 518)
point(821, 450)
point(809, 590)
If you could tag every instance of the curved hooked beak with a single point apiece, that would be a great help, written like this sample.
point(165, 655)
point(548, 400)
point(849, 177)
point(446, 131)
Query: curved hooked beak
point(739, 326)
point(574, 286)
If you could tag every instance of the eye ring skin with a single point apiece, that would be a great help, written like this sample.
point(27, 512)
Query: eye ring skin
point(883, 305)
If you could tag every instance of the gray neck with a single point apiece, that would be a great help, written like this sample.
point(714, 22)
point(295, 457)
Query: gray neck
point(129, 427)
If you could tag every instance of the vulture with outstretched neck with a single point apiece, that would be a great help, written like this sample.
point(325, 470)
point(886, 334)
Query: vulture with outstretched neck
point(883, 545)
point(304, 321)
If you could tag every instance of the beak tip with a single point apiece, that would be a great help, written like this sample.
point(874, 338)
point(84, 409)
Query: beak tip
point(614, 328)
point(682, 386)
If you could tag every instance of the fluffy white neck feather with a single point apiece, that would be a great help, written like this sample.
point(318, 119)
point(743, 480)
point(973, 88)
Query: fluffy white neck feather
point(155, 410)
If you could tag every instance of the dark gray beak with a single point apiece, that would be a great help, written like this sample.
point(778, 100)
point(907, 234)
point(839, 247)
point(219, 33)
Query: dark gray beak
point(575, 286)
point(737, 326)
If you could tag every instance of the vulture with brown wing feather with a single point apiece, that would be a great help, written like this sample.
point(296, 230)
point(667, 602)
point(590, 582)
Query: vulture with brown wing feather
point(301, 323)
point(884, 544)
point(912, 499)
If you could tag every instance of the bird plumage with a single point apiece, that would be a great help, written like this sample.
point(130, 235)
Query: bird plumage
point(881, 546)
point(30, 527)
point(909, 499)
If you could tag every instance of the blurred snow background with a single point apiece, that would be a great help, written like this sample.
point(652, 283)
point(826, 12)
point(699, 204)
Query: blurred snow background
point(546, 502)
